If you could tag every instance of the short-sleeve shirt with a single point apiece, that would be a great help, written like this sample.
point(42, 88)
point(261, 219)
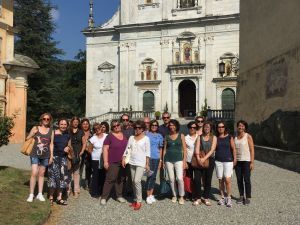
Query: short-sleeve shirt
point(97, 146)
point(116, 147)
point(156, 142)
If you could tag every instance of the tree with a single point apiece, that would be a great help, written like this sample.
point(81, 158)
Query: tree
point(35, 27)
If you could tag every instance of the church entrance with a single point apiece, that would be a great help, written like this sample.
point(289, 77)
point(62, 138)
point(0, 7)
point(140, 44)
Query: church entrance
point(187, 99)
point(148, 101)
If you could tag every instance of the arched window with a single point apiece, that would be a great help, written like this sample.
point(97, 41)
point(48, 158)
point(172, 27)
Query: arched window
point(148, 101)
point(228, 99)
point(187, 3)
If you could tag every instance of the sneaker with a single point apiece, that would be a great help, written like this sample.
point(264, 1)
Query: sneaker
point(153, 198)
point(246, 201)
point(228, 203)
point(240, 200)
point(40, 197)
point(221, 201)
point(30, 198)
point(149, 200)
point(181, 201)
point(121, 200)
point(174, 199)
point(103, 201)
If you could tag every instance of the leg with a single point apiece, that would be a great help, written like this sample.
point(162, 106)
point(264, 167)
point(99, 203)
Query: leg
point(95, 179)
point(41, 173)
point(120, 180)
point(197, 183)
point(101, 179)
point(208, 177)
point(228, 169)
point(110, 180)
point(179, 177)
point(247, 174)
point(34, 173)
point(139, 171)
point(128, 181)
point(152, 179)
point(239, 177)
point(133, 171)
point(76, 178)
point(170, 169)
point(219, 173)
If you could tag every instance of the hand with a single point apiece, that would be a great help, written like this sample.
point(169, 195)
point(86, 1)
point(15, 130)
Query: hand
point(123, 163)
point(66, 149)
point(234, 162)
point(185, 165)
point(147, 168)
point(251, 165)
point(51, 160)
point(106, 165)
point(81, 153)
point(159, 165)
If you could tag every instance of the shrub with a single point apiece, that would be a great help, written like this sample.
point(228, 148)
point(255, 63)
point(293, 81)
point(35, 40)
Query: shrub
point(6, 125)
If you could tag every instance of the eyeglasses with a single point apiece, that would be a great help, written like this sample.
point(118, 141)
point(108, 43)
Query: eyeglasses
point(221, 126)
point(125, 119)
point(193, 127)
point(154, 125)
point(166, 117)
point(117, 125)
point(199, 121)
point(46, 119)
point(138, 128)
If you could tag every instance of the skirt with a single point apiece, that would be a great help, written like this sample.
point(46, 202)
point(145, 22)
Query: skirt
point(58, 174)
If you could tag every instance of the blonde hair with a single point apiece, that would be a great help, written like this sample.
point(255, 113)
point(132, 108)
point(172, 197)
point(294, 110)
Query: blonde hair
point(43, 115)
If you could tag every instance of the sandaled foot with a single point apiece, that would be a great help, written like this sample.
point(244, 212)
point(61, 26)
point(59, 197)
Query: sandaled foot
point(206, 202)
point(197, 202)
point(61, 202)
point(51, 201)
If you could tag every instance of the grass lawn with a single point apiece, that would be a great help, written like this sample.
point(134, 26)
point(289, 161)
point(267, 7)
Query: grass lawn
point(14, 188)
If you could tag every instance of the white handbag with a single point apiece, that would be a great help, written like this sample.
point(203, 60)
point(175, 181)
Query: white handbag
point(127, 155)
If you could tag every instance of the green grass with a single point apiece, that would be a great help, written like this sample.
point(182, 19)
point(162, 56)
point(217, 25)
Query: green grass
point(14, 189)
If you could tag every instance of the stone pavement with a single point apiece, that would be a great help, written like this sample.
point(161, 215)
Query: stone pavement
point(275, 200)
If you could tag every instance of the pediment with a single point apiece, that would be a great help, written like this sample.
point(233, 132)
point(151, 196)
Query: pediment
point(227, 55)
point(148, 61)
point(106, 66)
point(187, 35)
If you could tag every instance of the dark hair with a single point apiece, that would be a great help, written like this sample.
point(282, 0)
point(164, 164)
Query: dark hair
point(124, 114)
point(46, 114)
point(211, 126)
point(198, 117)
point(85, 120)
point(95, 125)
point(61, 119)
point(189, 125)
point(154, 121)
point(164, 113)
point(226, 128)
point(112, 122)
point(106, 126)
point(175, 123)
point(242, 122)
point(140, 123)
point(71, 122)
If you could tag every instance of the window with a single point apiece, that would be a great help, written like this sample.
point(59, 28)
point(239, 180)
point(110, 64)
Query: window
point(187, 3)
point(228, 99)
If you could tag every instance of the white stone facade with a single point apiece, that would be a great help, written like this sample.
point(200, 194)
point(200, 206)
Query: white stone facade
point(166, 49)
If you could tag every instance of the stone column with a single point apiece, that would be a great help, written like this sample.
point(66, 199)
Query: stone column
point(123, 75)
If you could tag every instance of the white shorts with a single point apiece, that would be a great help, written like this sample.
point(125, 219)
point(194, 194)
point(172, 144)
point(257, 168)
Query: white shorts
point(224, 169)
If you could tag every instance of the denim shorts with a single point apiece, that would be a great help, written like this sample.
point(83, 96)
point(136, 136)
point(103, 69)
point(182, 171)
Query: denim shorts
point(40, 162)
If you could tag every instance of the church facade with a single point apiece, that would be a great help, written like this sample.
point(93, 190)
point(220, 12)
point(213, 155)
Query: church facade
point(154, 55)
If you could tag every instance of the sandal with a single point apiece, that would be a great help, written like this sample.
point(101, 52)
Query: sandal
point(51, 201)
point(61, 202)
point(206, 202)
point(197, 202)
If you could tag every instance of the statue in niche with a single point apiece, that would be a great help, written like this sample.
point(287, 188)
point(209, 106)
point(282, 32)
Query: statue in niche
point(187, 54)
point(148, 1)
point(142, 76)
point(177, 57)
point(228, 68)
point(155, 75)
point(148, 73)
point(196, 56)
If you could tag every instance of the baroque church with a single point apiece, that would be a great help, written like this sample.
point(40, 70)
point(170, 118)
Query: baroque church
point(153, 55)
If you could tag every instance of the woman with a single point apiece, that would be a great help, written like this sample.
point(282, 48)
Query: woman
point(207, 143)
point(175, 158)
point(199, 120)
point(58, 175)
point(113, 149)
point(245, 161)
point(95, 149)
point(78, 144)
point(190, 140)
point(225, 160)
point(104, 127)
point(86, 157)
point(156, 145)
point(139, 146)
point(41, 155)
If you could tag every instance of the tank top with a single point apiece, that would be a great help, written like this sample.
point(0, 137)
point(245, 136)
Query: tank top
point(41, 147)
point(242, 148)
point(174, 149)
point(223, 150)
point(206, 145)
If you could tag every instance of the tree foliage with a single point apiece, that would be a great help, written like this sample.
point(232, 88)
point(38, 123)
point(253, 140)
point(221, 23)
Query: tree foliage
point(6, 125)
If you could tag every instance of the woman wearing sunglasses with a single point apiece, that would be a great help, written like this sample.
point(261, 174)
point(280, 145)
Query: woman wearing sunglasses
point(113, 149)
point(225, 160)
point(139, 145)
point(41, 154)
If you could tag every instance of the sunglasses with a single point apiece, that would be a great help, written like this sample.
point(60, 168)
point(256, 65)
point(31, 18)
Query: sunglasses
point(200, 121)
point(221, 126)
point(166, 117)
point(154, 125)
point(193, 127)
point(46, 119)
point(125, 119)
point(138, 128)
point(117, 125)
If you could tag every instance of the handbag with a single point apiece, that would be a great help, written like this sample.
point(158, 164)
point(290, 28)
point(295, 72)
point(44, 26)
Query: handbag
point(164, 186)
point(195, 163)
point(27, 146)
point(127, 155)
point(188, 184)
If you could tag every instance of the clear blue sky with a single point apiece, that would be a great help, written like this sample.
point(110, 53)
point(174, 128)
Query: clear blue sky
point(71, 18)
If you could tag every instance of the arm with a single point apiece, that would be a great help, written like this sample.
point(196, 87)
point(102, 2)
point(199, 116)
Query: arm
point(184, 151)
point(83, 145)
point(232, 146)
point(148, 154)
point(197, 149)
point(251, 147)
point(32, 132)
point(105, 156)
point(212, 150)
point(90, 148)
point(51, 148)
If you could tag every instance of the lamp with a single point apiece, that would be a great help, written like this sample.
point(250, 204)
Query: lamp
point(221, 68)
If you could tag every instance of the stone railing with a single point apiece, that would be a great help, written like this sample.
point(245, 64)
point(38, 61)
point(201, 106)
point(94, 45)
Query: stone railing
point(213, 114)
point(134, 115)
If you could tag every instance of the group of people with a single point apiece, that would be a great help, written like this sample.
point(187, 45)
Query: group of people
point(120, 158)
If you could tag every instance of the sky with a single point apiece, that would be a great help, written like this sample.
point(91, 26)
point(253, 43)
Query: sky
point(71, 17)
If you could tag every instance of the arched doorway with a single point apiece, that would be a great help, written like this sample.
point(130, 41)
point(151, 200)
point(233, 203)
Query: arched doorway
point(228, 99)
point(148, 101)
point(187, 98)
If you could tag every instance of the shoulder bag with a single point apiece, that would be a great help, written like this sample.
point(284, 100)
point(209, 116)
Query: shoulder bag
point(28, 146)
point(202, 154)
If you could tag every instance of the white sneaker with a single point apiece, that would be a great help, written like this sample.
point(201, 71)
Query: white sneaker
point(103, 202)
point(153, 198)
point(149, 200)
point(40, 197)
point(30, 198)
point(121, 200)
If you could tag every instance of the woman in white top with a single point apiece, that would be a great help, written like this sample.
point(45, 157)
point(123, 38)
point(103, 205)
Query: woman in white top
point(245, 161)
point(139, 148)
point(95, 149)
point(190, 140)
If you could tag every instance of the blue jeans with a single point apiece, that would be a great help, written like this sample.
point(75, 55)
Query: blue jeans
point(40, 162)
point(153, 167)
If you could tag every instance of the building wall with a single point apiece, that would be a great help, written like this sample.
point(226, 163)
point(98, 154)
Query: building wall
point(268, 85)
